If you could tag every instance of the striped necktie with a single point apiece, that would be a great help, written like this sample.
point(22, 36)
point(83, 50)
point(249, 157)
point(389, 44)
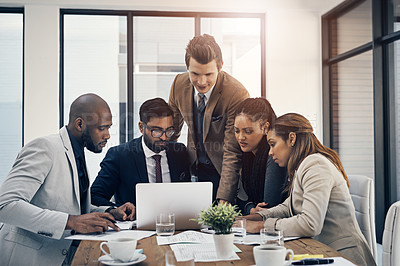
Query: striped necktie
point(157, 158)
point(201, 104)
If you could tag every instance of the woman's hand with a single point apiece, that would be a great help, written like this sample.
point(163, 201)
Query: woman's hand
point(260, 206)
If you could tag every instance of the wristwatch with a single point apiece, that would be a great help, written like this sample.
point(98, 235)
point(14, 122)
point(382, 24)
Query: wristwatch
point(109, 209)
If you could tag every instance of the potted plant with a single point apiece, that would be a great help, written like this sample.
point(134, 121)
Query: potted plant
point(221, 218)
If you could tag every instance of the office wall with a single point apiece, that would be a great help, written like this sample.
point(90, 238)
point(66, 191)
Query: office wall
point(293, 52)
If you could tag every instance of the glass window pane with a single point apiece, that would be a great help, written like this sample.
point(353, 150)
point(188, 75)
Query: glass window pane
point(240, 41)
point(352, 29)
point(159, 55)
point(353, 114)
point(393, 15)
point(11, 39)
point(95, 61)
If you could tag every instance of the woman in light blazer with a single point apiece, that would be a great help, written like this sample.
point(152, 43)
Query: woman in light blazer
point(319, 203)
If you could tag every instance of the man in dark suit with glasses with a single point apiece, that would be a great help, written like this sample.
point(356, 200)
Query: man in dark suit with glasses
point(151, 158)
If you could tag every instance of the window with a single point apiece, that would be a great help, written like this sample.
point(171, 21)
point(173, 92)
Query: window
point(349, 87)
point(352, 114)
point(240, 42)
point(11, 90)
point(352, 62)
point(95, 62)
point(128, 57)
point(159, 55)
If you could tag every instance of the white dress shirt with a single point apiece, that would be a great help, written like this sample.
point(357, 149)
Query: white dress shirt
point(151, 164)
point(207, 94)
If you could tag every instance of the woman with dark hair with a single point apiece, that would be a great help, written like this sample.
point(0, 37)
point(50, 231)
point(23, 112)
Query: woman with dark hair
point(262, 179)
point(319, 203)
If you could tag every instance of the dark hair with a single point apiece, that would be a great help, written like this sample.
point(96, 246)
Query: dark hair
point(204, 49)
point(156, 107)
point(306, 143)
point(254, 167)
point(257, 109)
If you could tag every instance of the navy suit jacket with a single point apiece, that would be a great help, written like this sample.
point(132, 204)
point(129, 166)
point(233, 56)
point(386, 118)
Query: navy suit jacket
point(125, 165)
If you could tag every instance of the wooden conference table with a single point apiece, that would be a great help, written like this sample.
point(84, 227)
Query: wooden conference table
point(89, 251)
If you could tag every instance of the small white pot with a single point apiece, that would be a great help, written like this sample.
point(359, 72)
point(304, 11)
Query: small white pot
point(224, 245)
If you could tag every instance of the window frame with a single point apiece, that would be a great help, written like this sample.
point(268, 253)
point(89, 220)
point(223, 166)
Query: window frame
point(126, 122)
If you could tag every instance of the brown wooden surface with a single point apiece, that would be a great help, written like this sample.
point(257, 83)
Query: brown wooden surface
point(89, 251)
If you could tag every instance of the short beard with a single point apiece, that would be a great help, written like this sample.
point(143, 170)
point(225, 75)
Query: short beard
point(88, 141)
point(152, 146)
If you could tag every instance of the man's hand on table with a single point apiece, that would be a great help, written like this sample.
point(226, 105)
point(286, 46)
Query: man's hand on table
point(125, 212)
point(95, 222)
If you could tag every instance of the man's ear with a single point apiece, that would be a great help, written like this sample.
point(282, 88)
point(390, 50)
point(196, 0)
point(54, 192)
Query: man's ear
point(79, 124)
point(141, 127)
point(292, 138)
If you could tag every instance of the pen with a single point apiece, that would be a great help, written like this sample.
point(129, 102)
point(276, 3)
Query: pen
point(313, 261)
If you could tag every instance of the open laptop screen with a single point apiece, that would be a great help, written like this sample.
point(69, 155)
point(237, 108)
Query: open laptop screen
point(185, 199)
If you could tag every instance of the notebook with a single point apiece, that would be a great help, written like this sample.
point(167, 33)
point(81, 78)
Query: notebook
point(185, 199)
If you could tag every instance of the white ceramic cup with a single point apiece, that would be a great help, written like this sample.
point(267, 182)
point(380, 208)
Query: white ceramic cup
point(122, 249)
point(272, 255)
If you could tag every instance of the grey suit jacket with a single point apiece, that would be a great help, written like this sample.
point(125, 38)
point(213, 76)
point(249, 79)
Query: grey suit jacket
point(320, 206)
point(40, 191)
point(218, 135)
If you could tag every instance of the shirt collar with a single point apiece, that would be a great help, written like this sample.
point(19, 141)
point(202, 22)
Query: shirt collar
point(76, 146)
point(148, 153)
point(207, 94)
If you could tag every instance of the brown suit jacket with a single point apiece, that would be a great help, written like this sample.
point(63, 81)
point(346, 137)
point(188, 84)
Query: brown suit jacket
point(218, 135)
point(320, 206)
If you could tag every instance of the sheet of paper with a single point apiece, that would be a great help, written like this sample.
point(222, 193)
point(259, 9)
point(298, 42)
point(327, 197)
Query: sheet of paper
point(202, 252)
point(339, 261)
point(138, 234)
point(185, 237)
point(254, 239)
point(124, 225)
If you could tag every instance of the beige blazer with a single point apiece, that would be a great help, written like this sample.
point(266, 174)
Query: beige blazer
point(320, 206)
point(218, 135)
point(40, 191)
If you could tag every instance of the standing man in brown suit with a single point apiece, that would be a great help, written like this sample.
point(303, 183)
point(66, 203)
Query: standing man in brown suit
point(206, 98)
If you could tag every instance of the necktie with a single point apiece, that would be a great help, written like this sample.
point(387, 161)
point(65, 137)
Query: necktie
point(157, 158)
point(201, 104)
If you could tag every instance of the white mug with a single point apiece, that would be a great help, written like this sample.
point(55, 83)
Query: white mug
point(122, 249)
point(272, 255)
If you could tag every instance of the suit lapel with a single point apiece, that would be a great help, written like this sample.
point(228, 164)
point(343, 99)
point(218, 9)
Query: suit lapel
point(173, 164)
point(140, 160)
point(71, 159)
point(212, 102)
point(187, 109)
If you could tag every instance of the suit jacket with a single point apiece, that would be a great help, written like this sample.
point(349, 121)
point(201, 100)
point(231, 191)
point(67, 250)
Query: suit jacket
point(125, 165)
point(40, 191)
point(218, 135)
point(320, 206)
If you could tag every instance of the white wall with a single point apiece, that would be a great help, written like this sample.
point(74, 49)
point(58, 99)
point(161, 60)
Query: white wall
point(293, 51)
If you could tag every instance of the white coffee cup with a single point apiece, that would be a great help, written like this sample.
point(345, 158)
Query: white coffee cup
point(122, 249)
point(272, 255)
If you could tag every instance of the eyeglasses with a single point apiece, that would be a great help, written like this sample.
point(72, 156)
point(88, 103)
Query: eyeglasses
point(157, 133)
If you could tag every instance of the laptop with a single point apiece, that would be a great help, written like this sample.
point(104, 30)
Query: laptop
point(185, 199)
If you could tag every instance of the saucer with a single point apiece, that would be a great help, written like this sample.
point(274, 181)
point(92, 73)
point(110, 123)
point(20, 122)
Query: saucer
point(107, 260)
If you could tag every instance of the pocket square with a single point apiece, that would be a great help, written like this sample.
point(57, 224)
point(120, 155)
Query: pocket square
point(216, 118)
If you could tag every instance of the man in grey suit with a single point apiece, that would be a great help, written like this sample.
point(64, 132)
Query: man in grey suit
point(45, 196)
point(205, 98)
